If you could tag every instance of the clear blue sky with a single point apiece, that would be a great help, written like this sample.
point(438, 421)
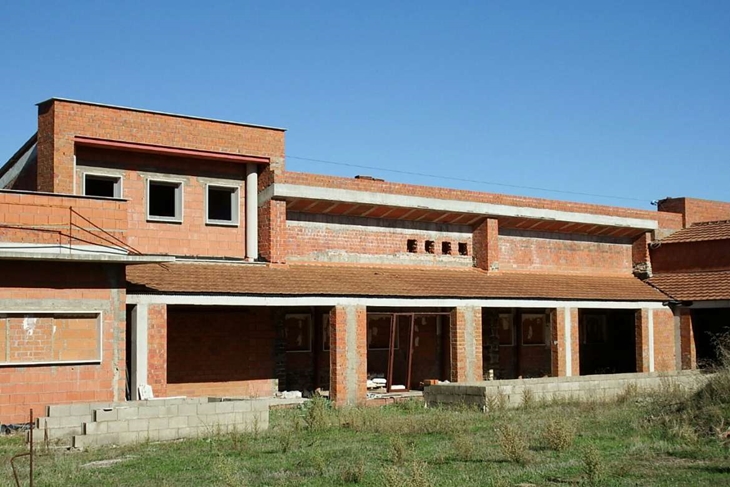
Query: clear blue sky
point(628, 99)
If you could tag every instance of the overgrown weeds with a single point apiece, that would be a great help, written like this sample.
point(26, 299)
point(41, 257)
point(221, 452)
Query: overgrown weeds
point(559, 434)
point(513, 443)
point(593, 466)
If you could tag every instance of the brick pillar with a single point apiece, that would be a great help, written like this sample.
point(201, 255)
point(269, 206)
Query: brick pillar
point(272, 231)
point(55, 151)
point(466, 344)
point(485, 245)
point(565, 345)
point(640, 256)
point(157, 348)
point(348, 355)
point(644, 341)
point(278, 316)
point(687, 340)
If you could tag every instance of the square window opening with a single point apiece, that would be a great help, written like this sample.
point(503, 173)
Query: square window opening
point(463, 250)
point(446, 248)
point(412, 246)
point(430, 247)
point(164, 200)
point(102, 186)
point(222, 205)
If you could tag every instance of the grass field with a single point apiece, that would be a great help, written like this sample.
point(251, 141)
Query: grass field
point(666, 438)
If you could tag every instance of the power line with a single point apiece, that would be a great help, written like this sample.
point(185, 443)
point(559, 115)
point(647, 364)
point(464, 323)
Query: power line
point(465, 180)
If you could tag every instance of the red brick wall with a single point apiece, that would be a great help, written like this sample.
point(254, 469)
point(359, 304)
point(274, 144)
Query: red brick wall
point(191, 237)
point(220, 351)
point(44, 219)
point(691, 256)
point(642, 340)
point(60, 121)
point(44, 286)
point(664, 348)
point(306, 242)
point(545, 253)
point(695, 210)
point(157, 349)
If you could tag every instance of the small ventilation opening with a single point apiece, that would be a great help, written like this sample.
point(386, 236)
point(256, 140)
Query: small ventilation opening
point(430, 247)
point(446, 248)
point(463, 248)
point(412, 246)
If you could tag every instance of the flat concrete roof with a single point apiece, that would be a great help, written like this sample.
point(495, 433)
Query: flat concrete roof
point(169, 114)
point(99, 258)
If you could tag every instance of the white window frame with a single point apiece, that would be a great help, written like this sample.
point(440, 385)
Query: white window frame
point(235, 205)
point(179, 201)
point(99, 327)
point(118, 187)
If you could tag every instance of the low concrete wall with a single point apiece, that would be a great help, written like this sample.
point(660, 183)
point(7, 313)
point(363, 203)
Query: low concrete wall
point(85, 425)
point(512, 393)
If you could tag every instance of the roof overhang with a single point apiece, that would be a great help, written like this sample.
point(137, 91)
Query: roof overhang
point(337, 201)
point(169, 151)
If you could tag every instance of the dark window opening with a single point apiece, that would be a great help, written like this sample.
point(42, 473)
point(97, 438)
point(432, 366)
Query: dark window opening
point(164, 199)
point(102, 186)
point(446, 248)
point(430, 246)
point(222, 204)
point(412, 246)
point(463, 249)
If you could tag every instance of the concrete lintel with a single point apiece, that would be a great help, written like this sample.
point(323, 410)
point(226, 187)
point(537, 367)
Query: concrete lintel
point(282, 191)
point(12, 251)
point(209, 300)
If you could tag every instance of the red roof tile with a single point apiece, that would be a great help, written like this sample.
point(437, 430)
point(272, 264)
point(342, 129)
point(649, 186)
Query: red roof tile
point(324, 280)
point(698, 232)
point(694, 286)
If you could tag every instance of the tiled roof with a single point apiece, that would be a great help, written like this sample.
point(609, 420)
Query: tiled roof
point(698, 232)
point(326, 280)
point(694, 286)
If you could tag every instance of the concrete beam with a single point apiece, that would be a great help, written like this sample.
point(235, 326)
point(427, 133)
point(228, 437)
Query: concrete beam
point(283, 191)
point(138, 367)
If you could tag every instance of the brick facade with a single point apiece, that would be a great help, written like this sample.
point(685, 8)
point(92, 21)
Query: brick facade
point(348, 354)
point(695, 210)
point(559, 347)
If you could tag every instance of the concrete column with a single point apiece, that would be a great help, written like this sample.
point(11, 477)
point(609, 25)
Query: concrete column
point(252, 212)
point(138, 367)
point(645, 340)
point(565, 347)
point(485, 245)
point(348, 355)
point(466, 344)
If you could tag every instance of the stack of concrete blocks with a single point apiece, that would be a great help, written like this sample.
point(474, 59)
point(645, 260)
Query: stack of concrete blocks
point(513, 393)
point(99, 424)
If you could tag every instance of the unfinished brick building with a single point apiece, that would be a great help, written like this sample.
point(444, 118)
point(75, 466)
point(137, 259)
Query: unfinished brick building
point(143, 248)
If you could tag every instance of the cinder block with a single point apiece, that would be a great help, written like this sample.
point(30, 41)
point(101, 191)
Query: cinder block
point(158, 423)
point(80, 409)
point(206, 408)
point(138, 424)
point(187, 432)
point(124, 413)
point(58, 410)
point(178, 422)
point(106, 415)
point(117, 426)
point(224, 407)
point(128, 438)
point(242, 406)
point(149, 412)
point(96, 428)
point(187, 409)
point(168, 434)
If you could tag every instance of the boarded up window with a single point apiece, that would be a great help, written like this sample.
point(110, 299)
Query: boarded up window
point(298, 329)
point(49, 338)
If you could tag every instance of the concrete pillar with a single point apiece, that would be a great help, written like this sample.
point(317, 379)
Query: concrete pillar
point(348, 355)
point(485, 245)
point(565, 346)
point(688, 353)
point(138, 367)
point(252, 212)
point(466, 344)
point(645, 340)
